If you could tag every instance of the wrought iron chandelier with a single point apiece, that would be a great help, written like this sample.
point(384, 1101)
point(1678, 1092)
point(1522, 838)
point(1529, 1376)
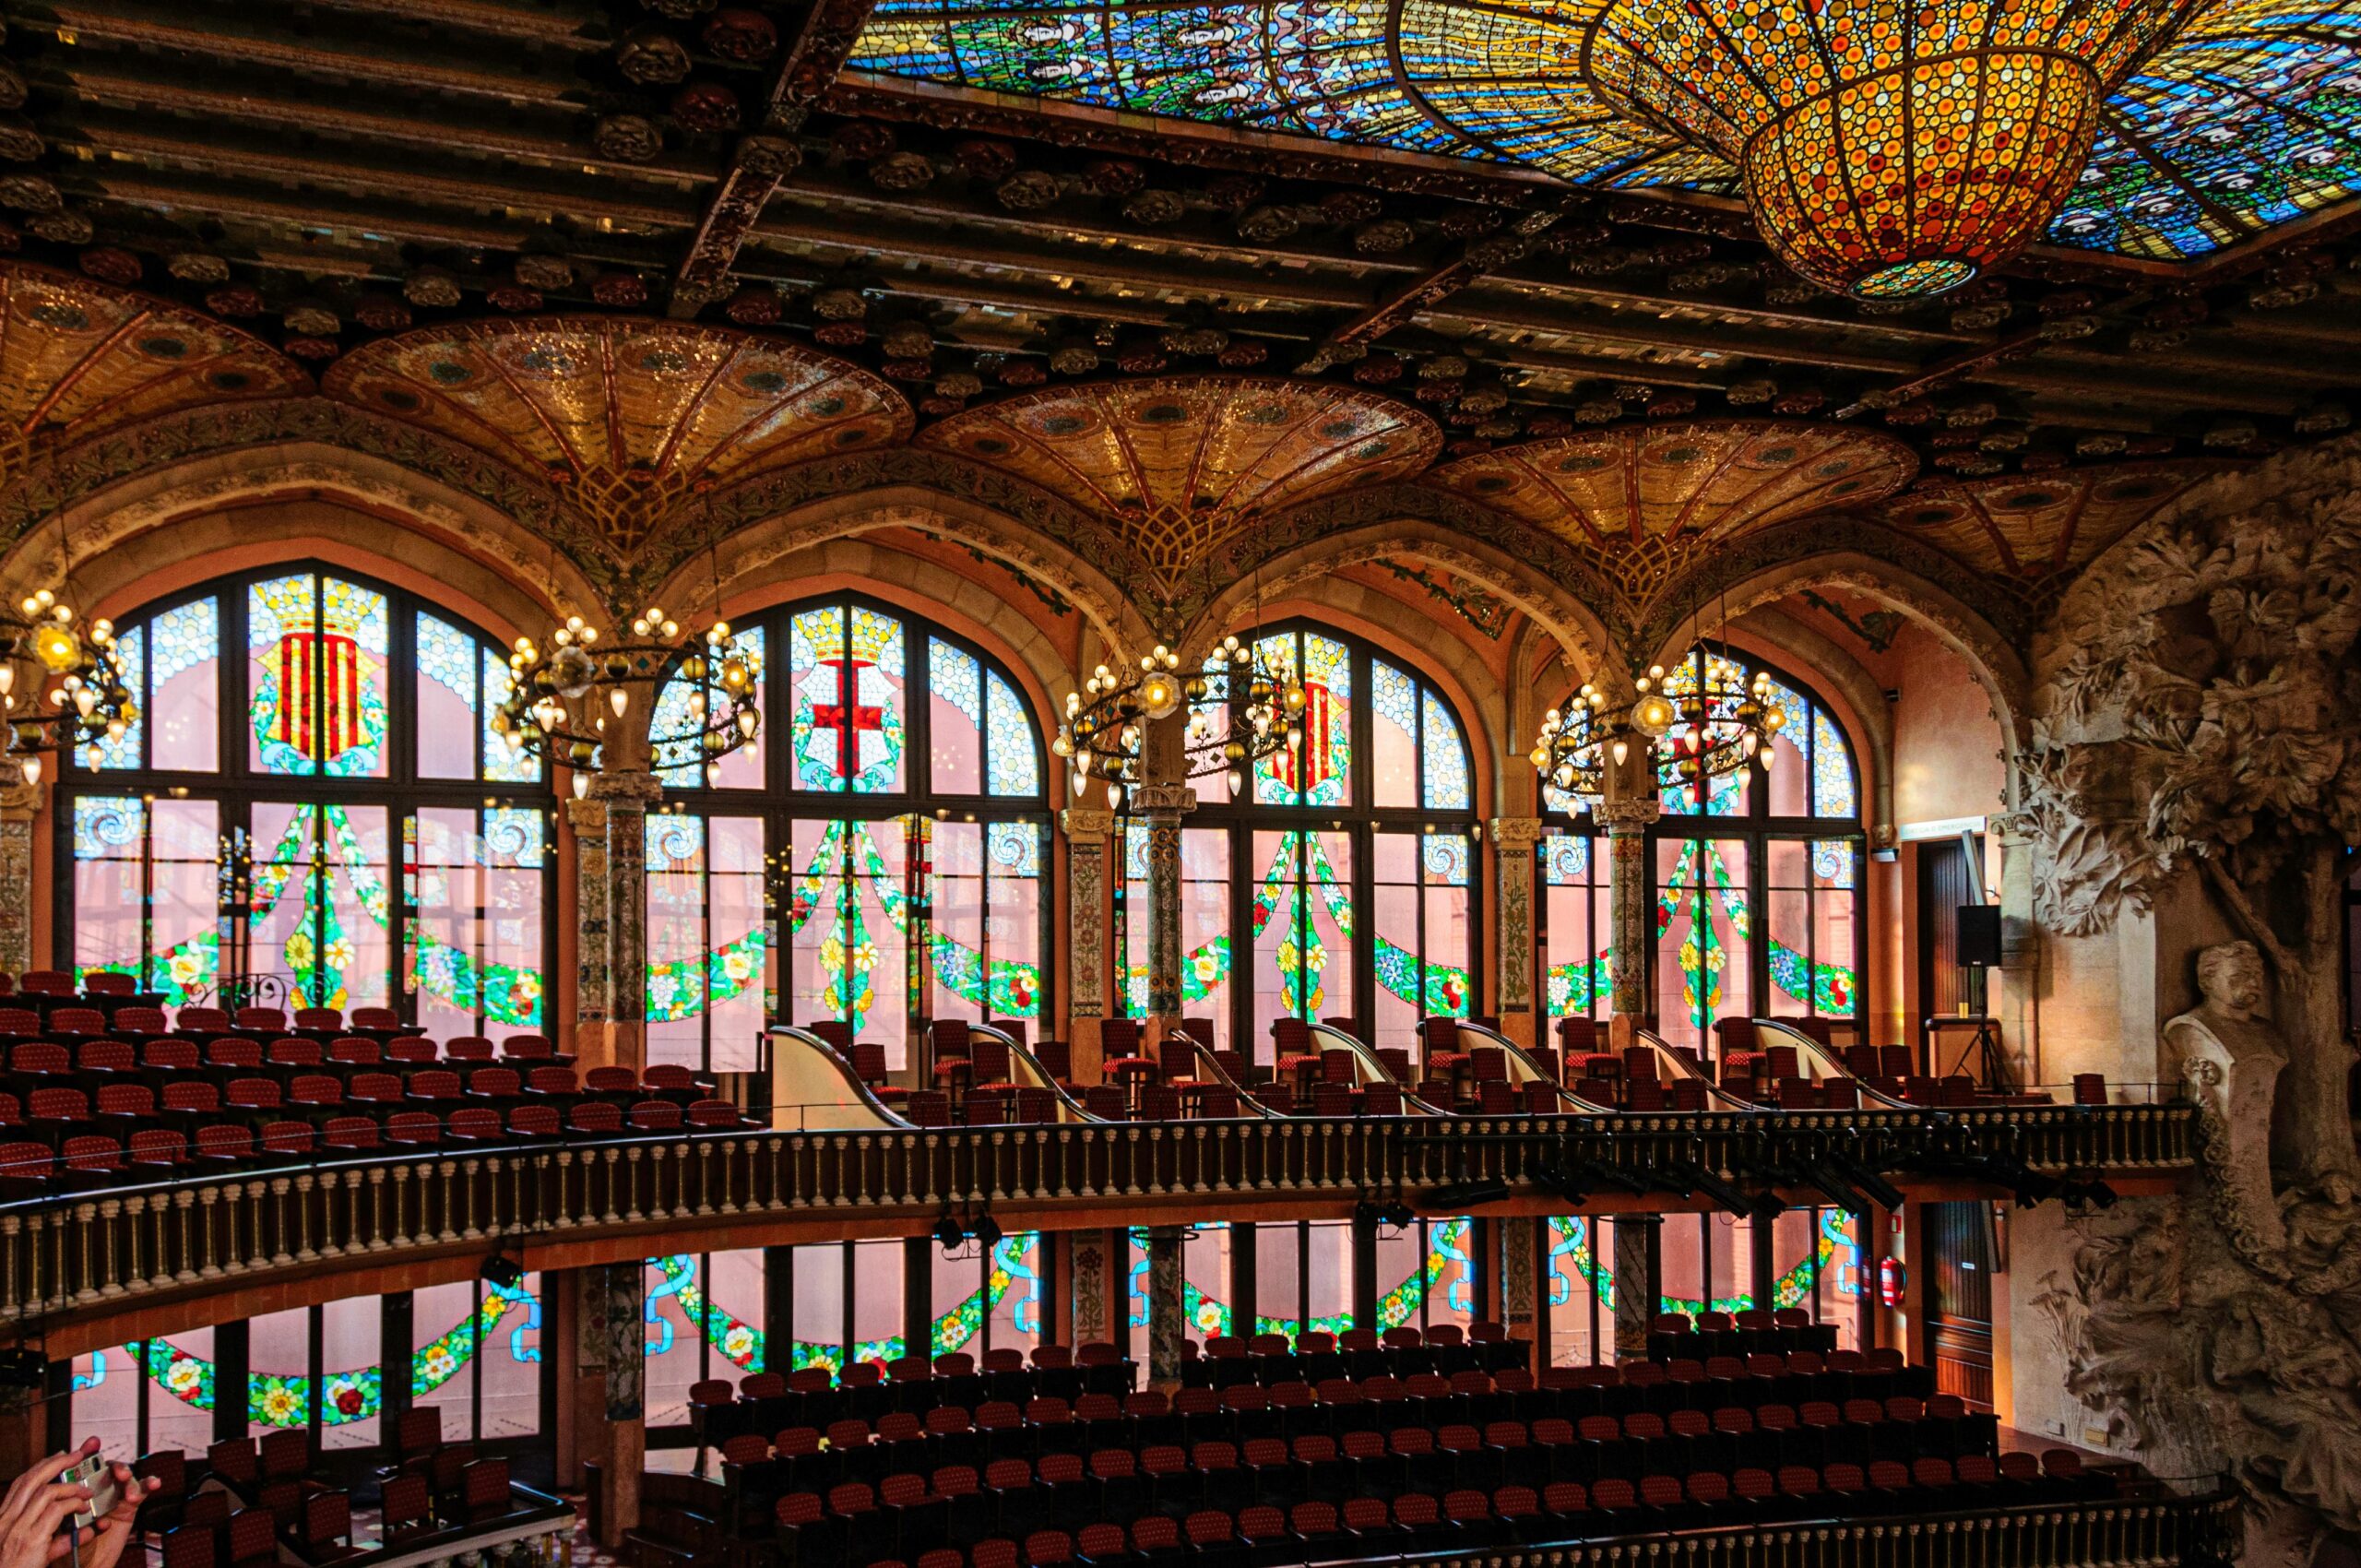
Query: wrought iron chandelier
point(565, 697)
point(1102, 733)
point(60, 683)
point(1694, 737)
point(1887, 150)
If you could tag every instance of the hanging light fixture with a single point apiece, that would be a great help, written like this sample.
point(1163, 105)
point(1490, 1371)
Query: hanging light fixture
point(1887, 150)
point(1716, 730)
point(567, 696)
point(1105, 722)
point(61, 683)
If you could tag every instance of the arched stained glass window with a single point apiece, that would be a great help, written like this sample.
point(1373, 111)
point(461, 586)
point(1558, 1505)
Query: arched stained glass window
point(1345, 880)
point(312, 810)
point(894, 802)
point(1758, 885)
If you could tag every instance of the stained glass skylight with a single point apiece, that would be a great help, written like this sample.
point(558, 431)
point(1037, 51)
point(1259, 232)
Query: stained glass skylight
point(2245, 120)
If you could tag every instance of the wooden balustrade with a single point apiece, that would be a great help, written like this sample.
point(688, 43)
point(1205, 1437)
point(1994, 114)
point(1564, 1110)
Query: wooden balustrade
point(72, 1252)
point(2118, 1533)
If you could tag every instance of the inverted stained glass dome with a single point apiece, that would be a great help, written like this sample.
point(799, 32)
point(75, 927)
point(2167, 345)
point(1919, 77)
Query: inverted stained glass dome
point(2187, 128)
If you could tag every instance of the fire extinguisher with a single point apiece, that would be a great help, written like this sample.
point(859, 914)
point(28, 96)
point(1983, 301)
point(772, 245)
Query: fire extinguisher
point(1893, 1281)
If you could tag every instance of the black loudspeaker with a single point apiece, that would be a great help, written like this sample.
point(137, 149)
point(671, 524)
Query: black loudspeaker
point(1979, 936)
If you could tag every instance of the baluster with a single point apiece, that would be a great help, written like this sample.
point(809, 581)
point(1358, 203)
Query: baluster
point(84, 1216)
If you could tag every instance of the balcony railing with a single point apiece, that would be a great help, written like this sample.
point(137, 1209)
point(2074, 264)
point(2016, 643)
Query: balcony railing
point(73, 1252)
point(2131, 1532)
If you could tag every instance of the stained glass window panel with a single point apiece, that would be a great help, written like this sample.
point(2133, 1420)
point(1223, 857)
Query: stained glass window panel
point(446, 1336)
point(1278, 1278)
point(184, 707)
point(1013, 869)
point(1705, 934)
point(106, 1400)
point(1328, 1261)
point(675, 1354)
point(960, 921)
point(678, 960)
point(1578, 916)
point(816, 693)
point(1831, 769)
point(475, 955)
point(1015, 745)
point(278, 1382)
point(1572, 1279)
point(110, 843)
point(448, 725)
point(1395, 865)
point(352, 1391)
point(180, 1400)
point(1204, 932)
point(737, 938)
point(124, 751)
point(956, 707)
point(511, 1362)
point(1445, 757)
point(732, 1311)
point(502, 763)
point(818, 1307)
point(1014, 1282)
point(877, 1292)
point(1317, 771)
point(1393, 736)
point(318, 651)
point(874, 724)
point(280, 616)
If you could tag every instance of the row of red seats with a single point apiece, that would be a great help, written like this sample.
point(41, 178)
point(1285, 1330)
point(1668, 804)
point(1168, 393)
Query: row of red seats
point(1265, 1535)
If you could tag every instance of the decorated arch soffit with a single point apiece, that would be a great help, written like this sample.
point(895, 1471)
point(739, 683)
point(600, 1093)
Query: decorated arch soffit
point(78, 359)
point(1646, 505)
point(2032, 534)
point(632, 418)
point(2240, 124)
point(1180, 465)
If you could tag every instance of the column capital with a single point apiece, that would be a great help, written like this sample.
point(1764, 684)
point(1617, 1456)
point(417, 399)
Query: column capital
point(587, 815)
point(627, 786)
point(1163, 799)
point(2013, 829)
point(20, 801)
point(1516, 832)
point(1086, 822)
point(1627, 816)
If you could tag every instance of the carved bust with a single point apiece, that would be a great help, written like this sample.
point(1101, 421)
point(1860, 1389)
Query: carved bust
point(2227, 1057)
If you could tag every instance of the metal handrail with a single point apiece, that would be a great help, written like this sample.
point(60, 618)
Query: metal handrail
point(1374, 1067)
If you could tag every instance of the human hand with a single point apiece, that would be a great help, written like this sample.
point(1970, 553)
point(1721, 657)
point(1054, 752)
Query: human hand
point(112, 1532)
point(36, 1508)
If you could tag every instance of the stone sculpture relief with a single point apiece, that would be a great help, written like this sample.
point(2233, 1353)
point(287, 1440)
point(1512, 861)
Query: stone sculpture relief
point(2198, 712)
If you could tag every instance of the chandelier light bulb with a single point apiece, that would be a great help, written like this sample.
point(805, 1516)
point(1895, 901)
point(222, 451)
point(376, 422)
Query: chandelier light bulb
point(1622, 749)
point(1114, 797)
point(44, 599)
point(31, 768)
point(581, 786)
point(618, 699)
point(8, 679)
point(712, 774)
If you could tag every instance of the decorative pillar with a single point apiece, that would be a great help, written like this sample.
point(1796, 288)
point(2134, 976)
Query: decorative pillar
point(1635, 1284)
point(19, 804)
point(1513, 839)
point(1629, 807)
point(601, 1412)
point(1167, 1322)
point(1162, 806)
point(2013, 1000)
point(1521, 1240)
point(1092, 1260)
point(610, 911)
point(1089, 926)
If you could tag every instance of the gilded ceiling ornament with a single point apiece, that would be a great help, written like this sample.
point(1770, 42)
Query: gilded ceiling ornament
point(1028, 191)
point(1267, 225)
point(197, 266)
point(381, 313)
point(512, 297)
point(627, 139)
point(1154, 208)
point(63, 227)
point(541, 271)
point(840, 304)
point(737, 33)
point(1350, 207)
point(431, 287)
point(12, 86)
point(19, 142)
point(29, 192)
point(312, 319)
point(768, 157)
point(901, 172)
point(909, 340)
point(1385, 237)
point(111, 265)
point(1114, 176)
point(707, 108)
point(1074, 358)
point(234, 299)
point(754, 306)
point(987, 160)
point(652, 58)
point(619, 291)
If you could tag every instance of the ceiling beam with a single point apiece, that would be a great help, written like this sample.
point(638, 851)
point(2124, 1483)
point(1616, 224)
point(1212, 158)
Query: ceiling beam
point(820, 48)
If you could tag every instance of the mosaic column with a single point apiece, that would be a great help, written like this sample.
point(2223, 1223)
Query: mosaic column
point(1513, 838)
point(1627, 823)
point(1167, 1322)
point(615, 927)
point(593, 978)
point(1089, 1272)
point(1162, 806)
point(606, 1404)
point(1087, 832)
point(1521, 1240)
point(19, 804)
point(1635, 1285)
